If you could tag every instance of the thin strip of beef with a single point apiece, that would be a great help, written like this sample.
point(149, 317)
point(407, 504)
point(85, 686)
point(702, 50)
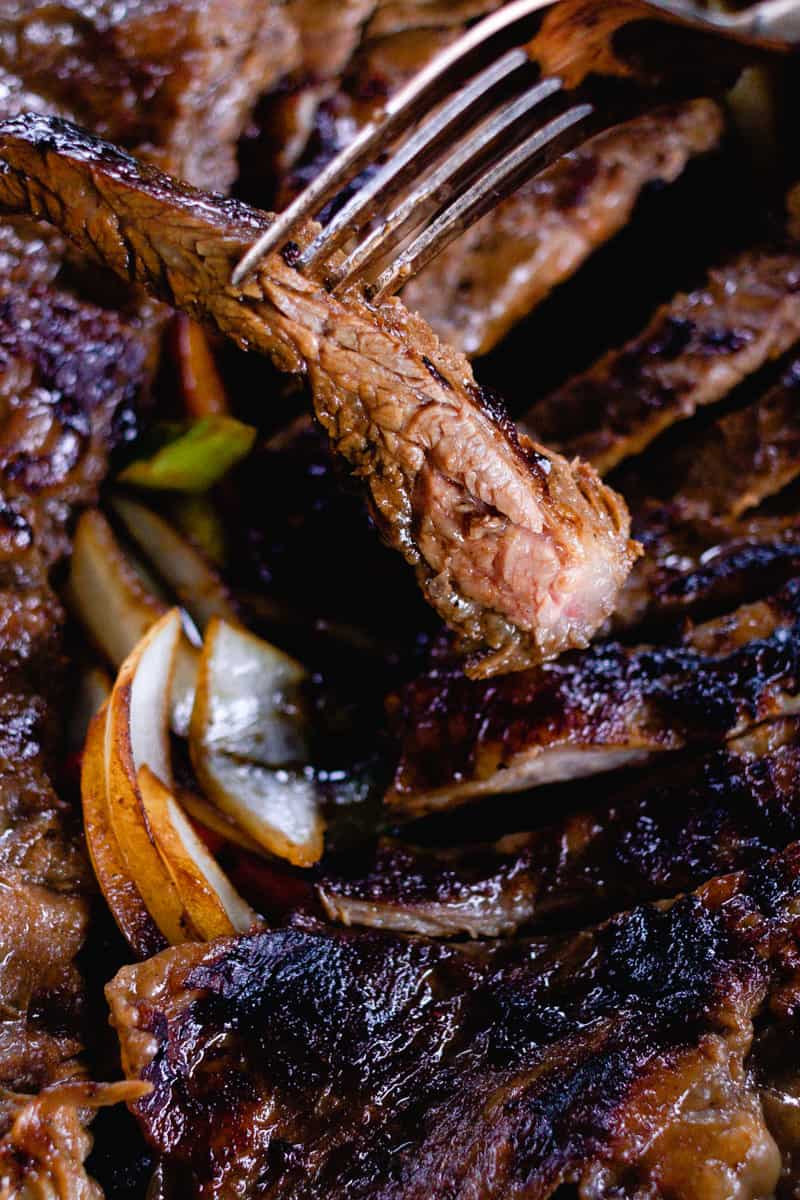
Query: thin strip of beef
point(315, 1062)
point(352, 57)
point(693, 352)
point(520, 551)
point(645, 839)
point(497, 272)
point(742, 459)
point(609, 706)
point(71, 373)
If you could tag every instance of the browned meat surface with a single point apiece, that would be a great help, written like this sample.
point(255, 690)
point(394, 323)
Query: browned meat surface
point(742, 459)
point(173, 79)
point(71, 372)
point(520, 551)
point(693, 352)
point(711, 578)
point(311, 1062)
point(609, 706)
point(644, 838)
point(507, 264)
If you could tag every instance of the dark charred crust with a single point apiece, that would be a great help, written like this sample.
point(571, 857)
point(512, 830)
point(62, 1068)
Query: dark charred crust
point(694, 351)
point(649, 838)
point(450, 729)
point(561, 1038)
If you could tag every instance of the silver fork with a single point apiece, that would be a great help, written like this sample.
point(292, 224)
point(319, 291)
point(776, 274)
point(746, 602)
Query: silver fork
point(460, 131)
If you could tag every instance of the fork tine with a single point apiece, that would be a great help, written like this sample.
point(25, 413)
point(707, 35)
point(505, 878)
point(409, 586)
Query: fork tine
point(505, 176)
point(413, 154)
point(397, 116)
point(465, 156)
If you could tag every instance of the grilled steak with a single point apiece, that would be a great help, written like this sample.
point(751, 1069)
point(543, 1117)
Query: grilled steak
point(643, 838)
point(173, 79)
point(609, 706)
point(520, 551)
point(693, 352)
point(742, 459)
point(312, 1062)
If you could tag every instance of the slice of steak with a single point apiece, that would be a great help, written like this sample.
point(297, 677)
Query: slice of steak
point(742, 459)
point(694, 351)
point(643, 839)
point(520, 551)
point(69, 375)
point(609, 706)
point(508, 263)
point(175, 80)
point(316, 1062)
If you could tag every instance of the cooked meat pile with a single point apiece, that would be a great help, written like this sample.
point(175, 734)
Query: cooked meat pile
point(587, 988)
point(363, 1064)
point(520, 551)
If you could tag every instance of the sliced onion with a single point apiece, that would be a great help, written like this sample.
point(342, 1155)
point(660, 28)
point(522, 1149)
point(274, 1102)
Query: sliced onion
point(248, 742)
point(137, 735)
point(199, 588)
point(213, 906)
point(108, 596)
point(110, 867)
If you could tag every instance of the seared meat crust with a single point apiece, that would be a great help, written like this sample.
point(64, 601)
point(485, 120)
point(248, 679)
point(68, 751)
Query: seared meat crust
point(173, 80)
point(521, 552)
point(311, 1062)
point(498, 271)
point(609, 706)
point(643, 838)
point(693, 352)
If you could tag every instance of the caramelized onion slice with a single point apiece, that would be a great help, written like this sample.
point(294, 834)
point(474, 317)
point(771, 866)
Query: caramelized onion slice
point(108, 597)
point(137, 734)
point(248, 742)
point(213, 906)
point(116, 882)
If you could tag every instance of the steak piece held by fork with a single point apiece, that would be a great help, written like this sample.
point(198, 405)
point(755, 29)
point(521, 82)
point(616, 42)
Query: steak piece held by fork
point(520, 551)
point(314, 1062)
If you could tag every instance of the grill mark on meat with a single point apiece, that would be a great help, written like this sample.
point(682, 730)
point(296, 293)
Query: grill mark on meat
point(643, 839)
point(614, 1062)
point(522, 561)
point(694, 351)
point(608, 706)
point(70, 372)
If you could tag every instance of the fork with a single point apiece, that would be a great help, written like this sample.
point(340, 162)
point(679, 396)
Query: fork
point(465, 133)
